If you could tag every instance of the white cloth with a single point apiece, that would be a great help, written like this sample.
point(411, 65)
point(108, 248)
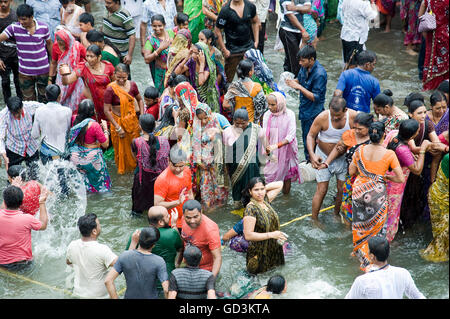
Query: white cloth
point(356, 15)
point(90, 261)
point(153, 7)
point(135, 8)
point(262, 8)
point(389, 283)
point(51, 123)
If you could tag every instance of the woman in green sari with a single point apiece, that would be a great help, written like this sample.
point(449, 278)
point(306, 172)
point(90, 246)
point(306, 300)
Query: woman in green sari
point(242, 141)
point(193, 8)
point(109, 52)
point(262, 226)
point(156, 50)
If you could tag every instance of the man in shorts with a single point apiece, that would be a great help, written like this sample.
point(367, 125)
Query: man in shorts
point(327, 129)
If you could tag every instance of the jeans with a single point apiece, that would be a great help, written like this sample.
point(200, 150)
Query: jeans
point(306, 125)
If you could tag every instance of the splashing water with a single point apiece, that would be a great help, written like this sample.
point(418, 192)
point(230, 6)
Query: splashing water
point(64, 206)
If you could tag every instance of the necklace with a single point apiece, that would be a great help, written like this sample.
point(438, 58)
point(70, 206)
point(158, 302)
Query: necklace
point(380, 268)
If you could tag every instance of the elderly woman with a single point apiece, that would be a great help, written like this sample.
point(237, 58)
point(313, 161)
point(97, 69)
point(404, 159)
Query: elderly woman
point(262, 227)
point(242, 155)
point(280, 128)
point(209, 168)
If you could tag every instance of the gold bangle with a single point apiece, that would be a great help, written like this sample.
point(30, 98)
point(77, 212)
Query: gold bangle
point(422, 152)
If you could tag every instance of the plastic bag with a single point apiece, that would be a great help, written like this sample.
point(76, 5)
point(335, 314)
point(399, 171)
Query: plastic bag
point(375, 23)
point(307, 171)
point(282, 82)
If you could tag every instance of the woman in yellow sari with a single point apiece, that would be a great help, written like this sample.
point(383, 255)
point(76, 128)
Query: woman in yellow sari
point(122, 101)
point(179, 52)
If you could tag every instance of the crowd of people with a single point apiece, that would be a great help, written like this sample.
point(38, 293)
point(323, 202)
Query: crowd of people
point(214, 128)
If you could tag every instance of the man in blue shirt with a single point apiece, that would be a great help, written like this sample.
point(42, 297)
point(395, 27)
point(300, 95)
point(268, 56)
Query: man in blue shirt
point(312, 83)
point(357, 86)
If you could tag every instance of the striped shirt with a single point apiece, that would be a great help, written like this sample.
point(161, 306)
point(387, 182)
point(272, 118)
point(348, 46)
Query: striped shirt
point(191, 282)
point(31, 49)
point(118, 27)
point(15, 135)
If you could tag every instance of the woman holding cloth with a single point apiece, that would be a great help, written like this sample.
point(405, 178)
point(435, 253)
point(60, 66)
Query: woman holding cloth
point(369, 198)
point(280, 128)
point(122, 101)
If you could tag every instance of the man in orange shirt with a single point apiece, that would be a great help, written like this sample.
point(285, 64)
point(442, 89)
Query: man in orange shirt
point(174, 185)
point(201, 231)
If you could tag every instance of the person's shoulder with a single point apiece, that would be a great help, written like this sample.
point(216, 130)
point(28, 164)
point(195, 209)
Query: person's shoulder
point(124, 12)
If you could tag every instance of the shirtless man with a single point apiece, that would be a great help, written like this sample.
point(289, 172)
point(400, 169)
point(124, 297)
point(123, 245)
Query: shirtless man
point(328, 128)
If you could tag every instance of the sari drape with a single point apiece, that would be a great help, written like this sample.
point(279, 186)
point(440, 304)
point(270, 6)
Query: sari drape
point(129, 122)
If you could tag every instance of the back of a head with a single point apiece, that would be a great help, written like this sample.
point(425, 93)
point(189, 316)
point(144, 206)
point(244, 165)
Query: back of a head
point(192, 204)
point(192, 255)
point(243, 69)
point(86, 109)
point(436, 97)
point(155, 215)
point(379, 246)
point(181, 18)
point(376, 132)
point(151, 93)
point(365, 56)
point(148, 237)
point(276, 284)
point(407, 129)
point(147, 122)
point(52, 92)
point(364, 119)
point(86, 224)
point(443, 86)
point(412, 97)
point(384, 98)
point(13, 197)
point(337, 104)
point(14, 104)
point(17, 170)
point(94, 36)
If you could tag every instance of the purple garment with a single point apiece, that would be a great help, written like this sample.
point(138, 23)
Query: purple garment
point(404, 155)
point(31, 49)
point(442, 125)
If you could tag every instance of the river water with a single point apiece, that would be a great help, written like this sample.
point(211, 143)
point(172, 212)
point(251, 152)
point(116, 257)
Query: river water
point(318, 266)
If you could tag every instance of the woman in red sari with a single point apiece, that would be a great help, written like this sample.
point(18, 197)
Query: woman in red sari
point(96, 74)
point(435, 68)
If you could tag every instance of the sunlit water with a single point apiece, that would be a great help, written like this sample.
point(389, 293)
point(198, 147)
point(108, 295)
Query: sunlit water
point(319, 265)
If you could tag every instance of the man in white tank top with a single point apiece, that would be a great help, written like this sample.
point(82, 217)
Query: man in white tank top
point(325, 132)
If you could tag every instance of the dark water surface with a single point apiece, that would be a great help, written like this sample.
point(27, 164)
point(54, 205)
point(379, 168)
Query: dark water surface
point(319, 265)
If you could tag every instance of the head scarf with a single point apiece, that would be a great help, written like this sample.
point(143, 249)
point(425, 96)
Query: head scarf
point(188, 95)
point(261, 71)
point(280, 113)
point(178, 51)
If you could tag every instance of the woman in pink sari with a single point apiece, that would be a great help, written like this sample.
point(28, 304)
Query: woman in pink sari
point(398, 142)
point(67, 50)
point(279, 125)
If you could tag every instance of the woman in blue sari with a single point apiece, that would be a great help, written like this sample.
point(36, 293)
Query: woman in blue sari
point(85, 138)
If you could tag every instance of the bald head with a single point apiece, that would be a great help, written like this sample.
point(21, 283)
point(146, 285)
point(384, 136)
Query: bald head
point(158, 216)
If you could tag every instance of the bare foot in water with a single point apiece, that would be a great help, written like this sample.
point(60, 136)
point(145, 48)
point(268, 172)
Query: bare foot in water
point(411, 52)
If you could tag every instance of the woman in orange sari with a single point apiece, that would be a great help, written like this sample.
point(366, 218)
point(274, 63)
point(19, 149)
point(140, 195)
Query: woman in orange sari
point(122, 102)
point(369, 193)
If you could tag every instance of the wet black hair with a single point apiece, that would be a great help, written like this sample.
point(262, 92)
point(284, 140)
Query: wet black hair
point(86, 109)
point(94, 49)
point(97, 36)
point(276, 284)
point(13, 197)
point(86, 224)
point(337, 104)
point(167, 118)
point(175, 79)
point(24, 10)
point(158, 17)
point(241, 113)
point(181, 18)
point(414, 105)
point(191, 205)
point(52, 92)
point(147, 123)
point(379, 246)
point(243, 69)
point(364, 119)
point(436, 97)
point(307, 52)
point(407, 129)
point(17, 170)
point(365, 56)
point(245, 199)
point(192, 255)
point(376, 132)
point(14, 104)
point(86, 18)
point(151, 93)
point(384, 98)
point(209, 35)
point(412, 97)
point(148, 237)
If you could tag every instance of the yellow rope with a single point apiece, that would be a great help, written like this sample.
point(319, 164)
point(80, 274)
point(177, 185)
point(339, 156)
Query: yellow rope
point(304, 216)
